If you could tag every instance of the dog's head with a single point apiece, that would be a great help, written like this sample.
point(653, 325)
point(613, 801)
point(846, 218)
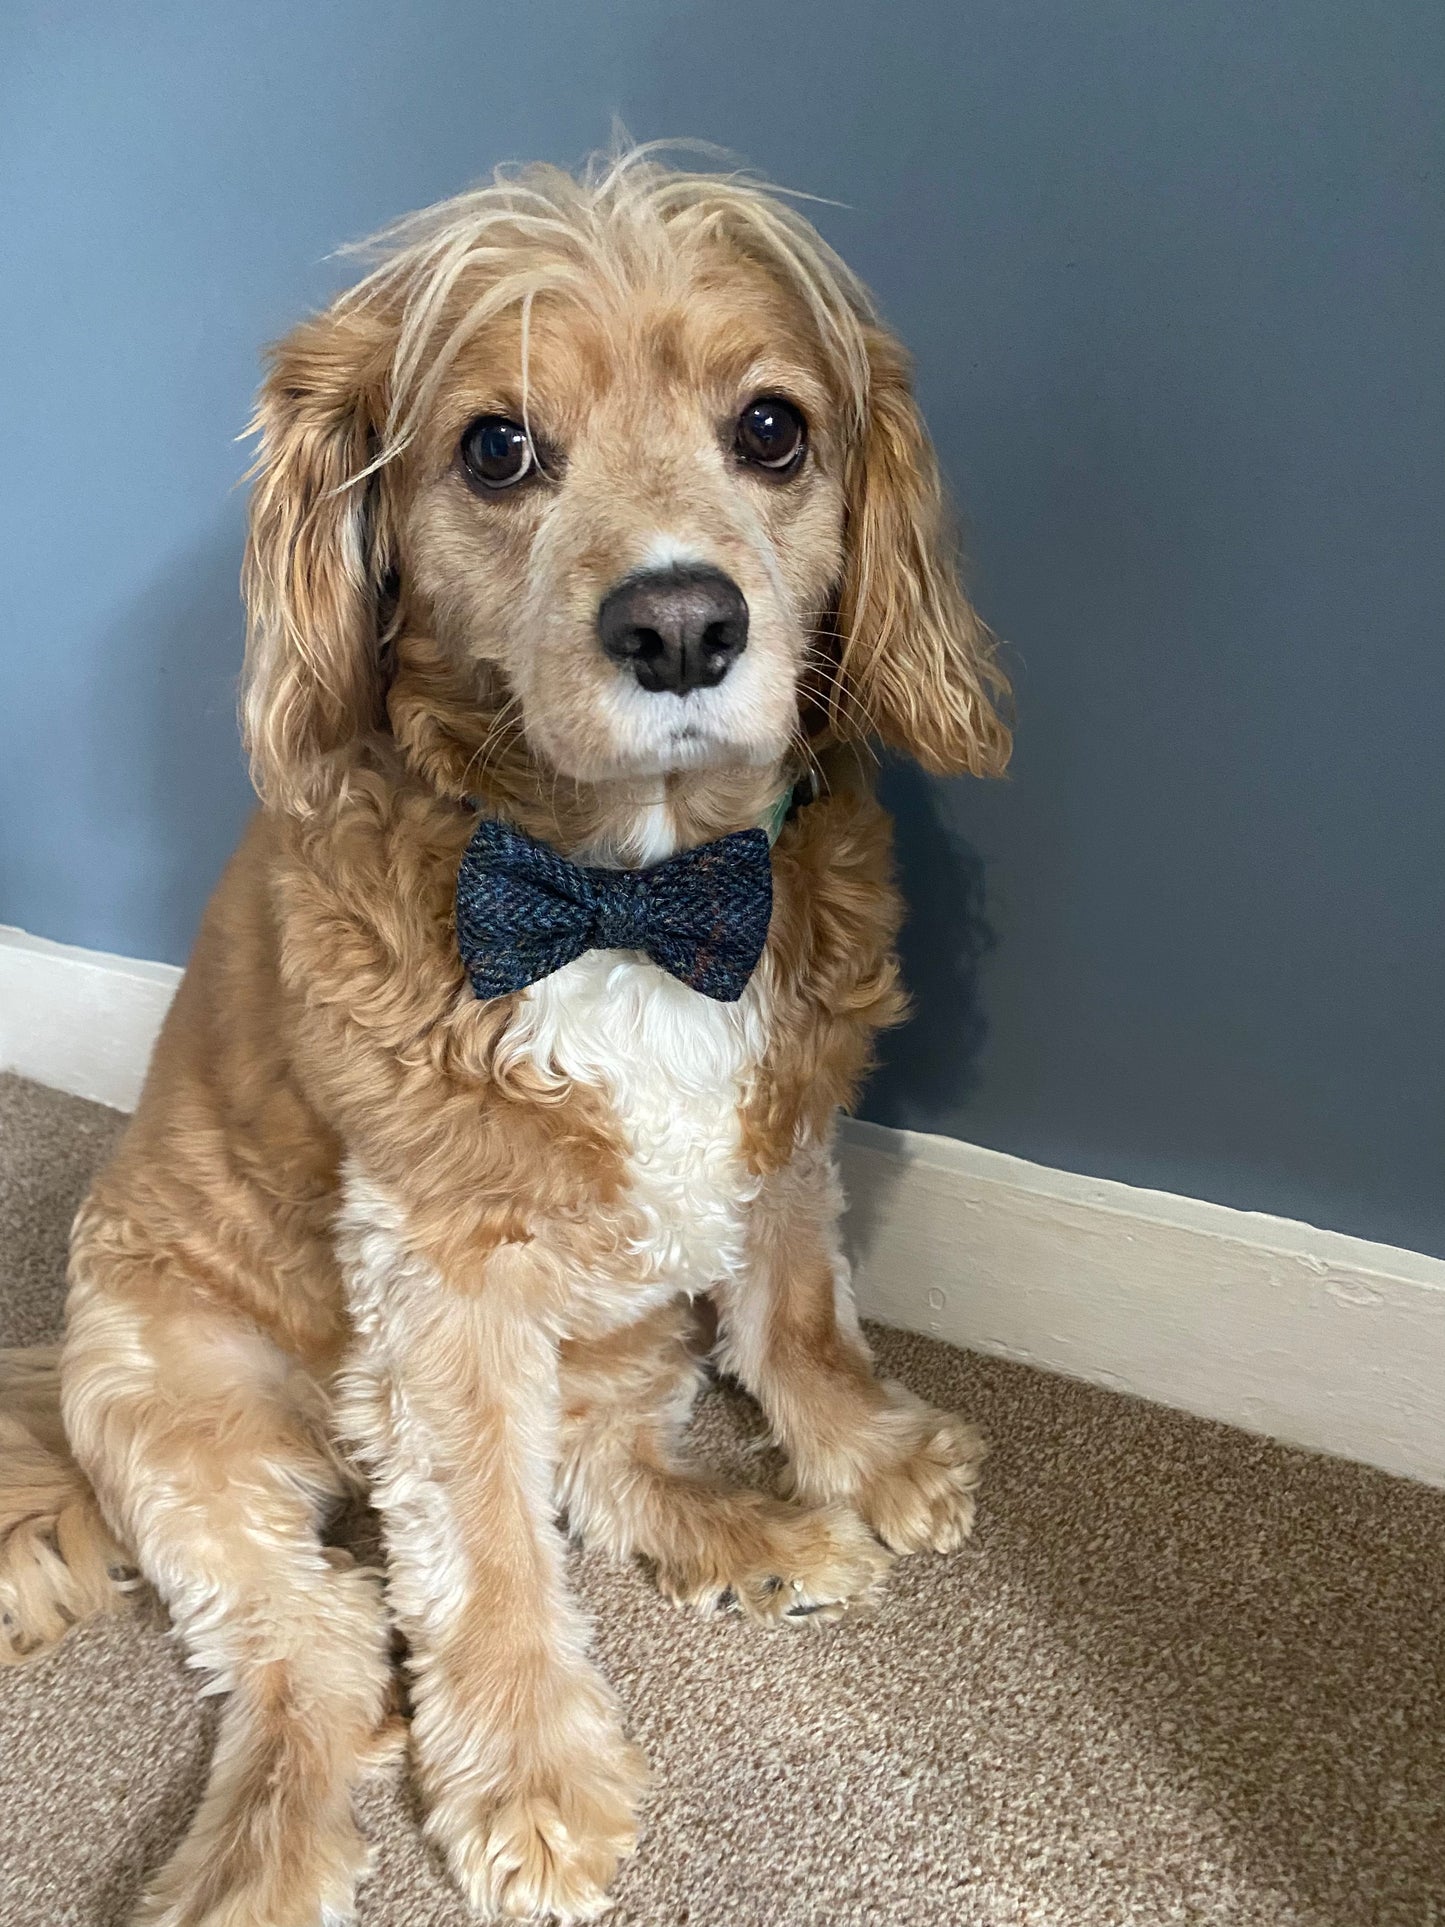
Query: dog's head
point(625, 465)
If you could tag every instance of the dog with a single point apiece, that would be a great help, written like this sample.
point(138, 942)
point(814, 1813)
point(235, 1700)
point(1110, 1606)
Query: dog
point(595, 539)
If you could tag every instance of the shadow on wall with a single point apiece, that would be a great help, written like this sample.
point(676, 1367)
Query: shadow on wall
point(165, 704)
point(930, 1064)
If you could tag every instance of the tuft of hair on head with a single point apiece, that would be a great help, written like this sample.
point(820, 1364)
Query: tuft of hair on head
point(626, 218)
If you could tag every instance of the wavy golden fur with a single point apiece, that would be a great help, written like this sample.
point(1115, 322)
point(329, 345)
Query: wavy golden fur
point(364, 1227)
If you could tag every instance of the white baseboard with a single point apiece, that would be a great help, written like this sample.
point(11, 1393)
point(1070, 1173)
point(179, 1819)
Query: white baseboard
point(1325, 1341)
point(80, 1020)
point(1322, 1340)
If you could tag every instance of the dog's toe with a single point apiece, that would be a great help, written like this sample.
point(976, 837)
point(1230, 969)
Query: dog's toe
point(781, 1565)
point(548, 1849)
point(923, 1499)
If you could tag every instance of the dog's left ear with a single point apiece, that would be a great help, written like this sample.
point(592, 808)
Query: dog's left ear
point(916, 665)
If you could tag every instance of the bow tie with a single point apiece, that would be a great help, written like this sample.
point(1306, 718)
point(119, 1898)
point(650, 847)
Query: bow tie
point(524, 911)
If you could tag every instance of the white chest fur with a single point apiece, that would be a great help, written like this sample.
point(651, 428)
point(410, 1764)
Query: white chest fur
point(674, 1066)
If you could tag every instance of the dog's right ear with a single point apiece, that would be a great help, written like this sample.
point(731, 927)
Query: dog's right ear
point(320, 549)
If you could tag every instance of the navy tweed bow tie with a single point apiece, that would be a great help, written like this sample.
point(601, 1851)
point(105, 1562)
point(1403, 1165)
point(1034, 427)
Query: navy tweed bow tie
point(524, 911)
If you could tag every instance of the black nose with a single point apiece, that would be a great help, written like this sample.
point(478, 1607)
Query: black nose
point(679, 629)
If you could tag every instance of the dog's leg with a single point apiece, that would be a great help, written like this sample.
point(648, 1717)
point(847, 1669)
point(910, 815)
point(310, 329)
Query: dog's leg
point(205, 1451)
point(626, 1487)
point(452, 1401)
point(789, 1331)
point(58, 1561)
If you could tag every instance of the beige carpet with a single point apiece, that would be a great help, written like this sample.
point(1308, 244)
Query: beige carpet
point(1181, 1676)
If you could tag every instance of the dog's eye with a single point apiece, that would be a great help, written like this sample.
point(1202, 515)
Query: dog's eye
point(771, 434)
point(496, 452)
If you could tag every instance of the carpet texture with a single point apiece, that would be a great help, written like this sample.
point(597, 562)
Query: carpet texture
point(1181, 1675)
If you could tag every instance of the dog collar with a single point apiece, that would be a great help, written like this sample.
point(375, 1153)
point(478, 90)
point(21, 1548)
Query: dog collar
point(788, 803)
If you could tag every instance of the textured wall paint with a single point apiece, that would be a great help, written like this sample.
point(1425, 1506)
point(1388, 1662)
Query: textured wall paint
point(1175, 280)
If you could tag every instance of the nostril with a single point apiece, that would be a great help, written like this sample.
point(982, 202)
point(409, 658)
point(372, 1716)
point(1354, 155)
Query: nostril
point(722, 642)
point(636, 641)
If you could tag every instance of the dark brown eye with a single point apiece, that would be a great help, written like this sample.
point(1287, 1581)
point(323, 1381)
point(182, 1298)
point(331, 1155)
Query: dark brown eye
point(771, 434)
point(496, 453)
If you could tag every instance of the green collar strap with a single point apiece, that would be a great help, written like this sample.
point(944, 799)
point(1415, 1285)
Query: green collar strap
point(804, 791)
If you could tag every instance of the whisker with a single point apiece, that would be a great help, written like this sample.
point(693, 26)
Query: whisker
point(843, 703)
point(506, 720)
point(800, 742)
point(504, 724)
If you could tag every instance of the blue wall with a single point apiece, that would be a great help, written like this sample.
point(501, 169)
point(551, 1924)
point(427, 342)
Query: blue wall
point(1174, 277)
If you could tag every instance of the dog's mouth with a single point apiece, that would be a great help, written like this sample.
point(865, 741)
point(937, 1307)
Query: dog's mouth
point(629, 732)
point(686, 750)
point(710, 740)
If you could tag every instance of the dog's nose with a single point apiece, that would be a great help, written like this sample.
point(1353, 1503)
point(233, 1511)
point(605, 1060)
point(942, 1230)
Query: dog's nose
point(677, 629)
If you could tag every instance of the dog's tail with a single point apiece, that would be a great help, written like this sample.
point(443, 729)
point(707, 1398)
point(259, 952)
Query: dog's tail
point(59, 1562)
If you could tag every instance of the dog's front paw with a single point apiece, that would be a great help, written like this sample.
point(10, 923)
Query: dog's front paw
point(546, 1848)
point(304, 1872)
point(920, 1497)
point(779, 1564)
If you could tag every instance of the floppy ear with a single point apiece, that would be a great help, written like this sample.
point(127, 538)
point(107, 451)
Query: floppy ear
point(914, 659)
point(319, 552)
